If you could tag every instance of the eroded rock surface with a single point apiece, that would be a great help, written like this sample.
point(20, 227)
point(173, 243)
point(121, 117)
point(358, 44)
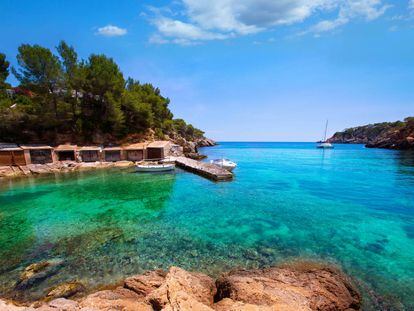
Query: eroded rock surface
point(303, 287)
point(66, 290)
point(37, 272)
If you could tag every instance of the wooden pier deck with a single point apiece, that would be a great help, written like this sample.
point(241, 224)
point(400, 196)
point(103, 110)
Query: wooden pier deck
point(208, 170)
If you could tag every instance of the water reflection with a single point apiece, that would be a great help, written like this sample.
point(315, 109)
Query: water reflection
point(93, 221)
point(405, 160)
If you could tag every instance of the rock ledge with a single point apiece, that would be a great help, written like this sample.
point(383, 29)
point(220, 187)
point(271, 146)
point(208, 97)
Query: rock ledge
point(298, 287)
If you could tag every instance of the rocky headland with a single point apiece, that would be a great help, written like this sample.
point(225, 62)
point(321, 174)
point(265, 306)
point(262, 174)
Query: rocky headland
point(296, 287)
point(389, 135)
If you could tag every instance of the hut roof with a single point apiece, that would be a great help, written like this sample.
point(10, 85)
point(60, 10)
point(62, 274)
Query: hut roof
point(11, 149)
point(35, 147)
point(159, 144)
point(66, 148)
point(112, 148)
point(90, 148)
point(8, 146)
point(137, 146)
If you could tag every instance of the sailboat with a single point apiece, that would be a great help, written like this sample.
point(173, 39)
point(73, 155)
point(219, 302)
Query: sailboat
point(324, 144)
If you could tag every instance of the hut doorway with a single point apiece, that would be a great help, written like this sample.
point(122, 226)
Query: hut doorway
point(135, 155)
point(112, 155)
point(155, 153)
point(41, 156)
point(66, 155)
point(18, 158)
point(90, 155)
point(6, 158)
point(12, 156)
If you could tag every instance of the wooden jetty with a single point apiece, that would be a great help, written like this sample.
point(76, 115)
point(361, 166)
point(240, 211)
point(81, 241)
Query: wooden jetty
point(208, 170)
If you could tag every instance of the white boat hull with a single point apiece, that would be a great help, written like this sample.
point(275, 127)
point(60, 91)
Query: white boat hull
point(227, 165)
point(325, 146)
point(155, 168)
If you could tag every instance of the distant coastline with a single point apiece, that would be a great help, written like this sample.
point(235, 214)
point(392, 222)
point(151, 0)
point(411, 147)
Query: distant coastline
point(389, 135)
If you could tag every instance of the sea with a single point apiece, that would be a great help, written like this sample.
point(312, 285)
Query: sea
point(351, 207)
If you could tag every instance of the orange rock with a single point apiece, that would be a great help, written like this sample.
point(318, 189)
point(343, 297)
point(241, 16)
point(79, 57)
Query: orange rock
point(182, 288)
point(118, 299)
point(145, 283)
point(298, 287)
point(312, 288)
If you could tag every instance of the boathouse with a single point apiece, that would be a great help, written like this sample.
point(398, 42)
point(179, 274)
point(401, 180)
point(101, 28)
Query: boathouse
point(11, 155)
point(90, 153)
point(38, 154)
point(135, 152)
point(66, 152)
point(112, 154)
point(158, 150)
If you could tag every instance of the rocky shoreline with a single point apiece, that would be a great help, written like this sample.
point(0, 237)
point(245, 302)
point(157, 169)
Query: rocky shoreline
point(57, 167)
point(303, 286)
point(388, 135)
point(190, 150)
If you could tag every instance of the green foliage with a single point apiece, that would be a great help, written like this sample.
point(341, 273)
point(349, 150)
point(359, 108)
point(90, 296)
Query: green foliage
point(65, 95)
point(39, 69)
point(4, 71)
point(186, 130)
point(409, 120)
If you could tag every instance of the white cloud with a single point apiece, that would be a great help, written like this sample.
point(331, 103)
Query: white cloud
point(181, 30)
point(111, 31)
point(349, 10)
point(200, 20)
point(411, 5)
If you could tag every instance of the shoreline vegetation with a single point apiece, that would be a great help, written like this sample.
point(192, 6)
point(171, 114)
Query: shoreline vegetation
point(64, 99)
point(296, 286)
point(388, 135)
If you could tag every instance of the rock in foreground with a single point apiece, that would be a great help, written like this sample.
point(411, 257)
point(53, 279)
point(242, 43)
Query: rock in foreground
point(296, 288)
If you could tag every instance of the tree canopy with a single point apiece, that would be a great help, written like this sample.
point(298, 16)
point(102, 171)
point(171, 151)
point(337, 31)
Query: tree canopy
point(60, 94)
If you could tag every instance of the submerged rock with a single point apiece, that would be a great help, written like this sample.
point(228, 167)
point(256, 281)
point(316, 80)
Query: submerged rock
point(299, 287)
point(66, 290)
point(37, 272)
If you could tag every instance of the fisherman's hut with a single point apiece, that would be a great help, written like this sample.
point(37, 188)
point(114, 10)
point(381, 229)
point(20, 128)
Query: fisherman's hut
point(135, 152)
point(158, 150)
point(11, 155)
point(90, 153)
point(112, 154)
point(66, 152)
point(38, 154)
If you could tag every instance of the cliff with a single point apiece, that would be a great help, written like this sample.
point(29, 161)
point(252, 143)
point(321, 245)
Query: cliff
point(389, 135)
point(299, 287)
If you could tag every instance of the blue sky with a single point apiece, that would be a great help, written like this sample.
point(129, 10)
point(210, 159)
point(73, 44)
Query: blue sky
point(246, 70)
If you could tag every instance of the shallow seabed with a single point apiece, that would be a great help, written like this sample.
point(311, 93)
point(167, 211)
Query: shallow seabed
point(351, 206)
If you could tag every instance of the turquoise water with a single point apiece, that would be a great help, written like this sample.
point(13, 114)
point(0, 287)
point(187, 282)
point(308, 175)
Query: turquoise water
point(350, 206)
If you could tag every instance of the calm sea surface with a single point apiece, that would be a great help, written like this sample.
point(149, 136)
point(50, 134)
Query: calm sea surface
point(350, 206)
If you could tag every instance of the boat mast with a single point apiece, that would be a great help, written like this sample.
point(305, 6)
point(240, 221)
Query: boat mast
point(326, 129)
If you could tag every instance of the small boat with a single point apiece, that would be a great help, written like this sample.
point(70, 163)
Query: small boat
point(323, 144)
point(155, 167)
point(224, 163)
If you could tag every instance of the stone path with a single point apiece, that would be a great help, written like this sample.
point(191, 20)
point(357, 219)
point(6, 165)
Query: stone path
point(208, 170)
